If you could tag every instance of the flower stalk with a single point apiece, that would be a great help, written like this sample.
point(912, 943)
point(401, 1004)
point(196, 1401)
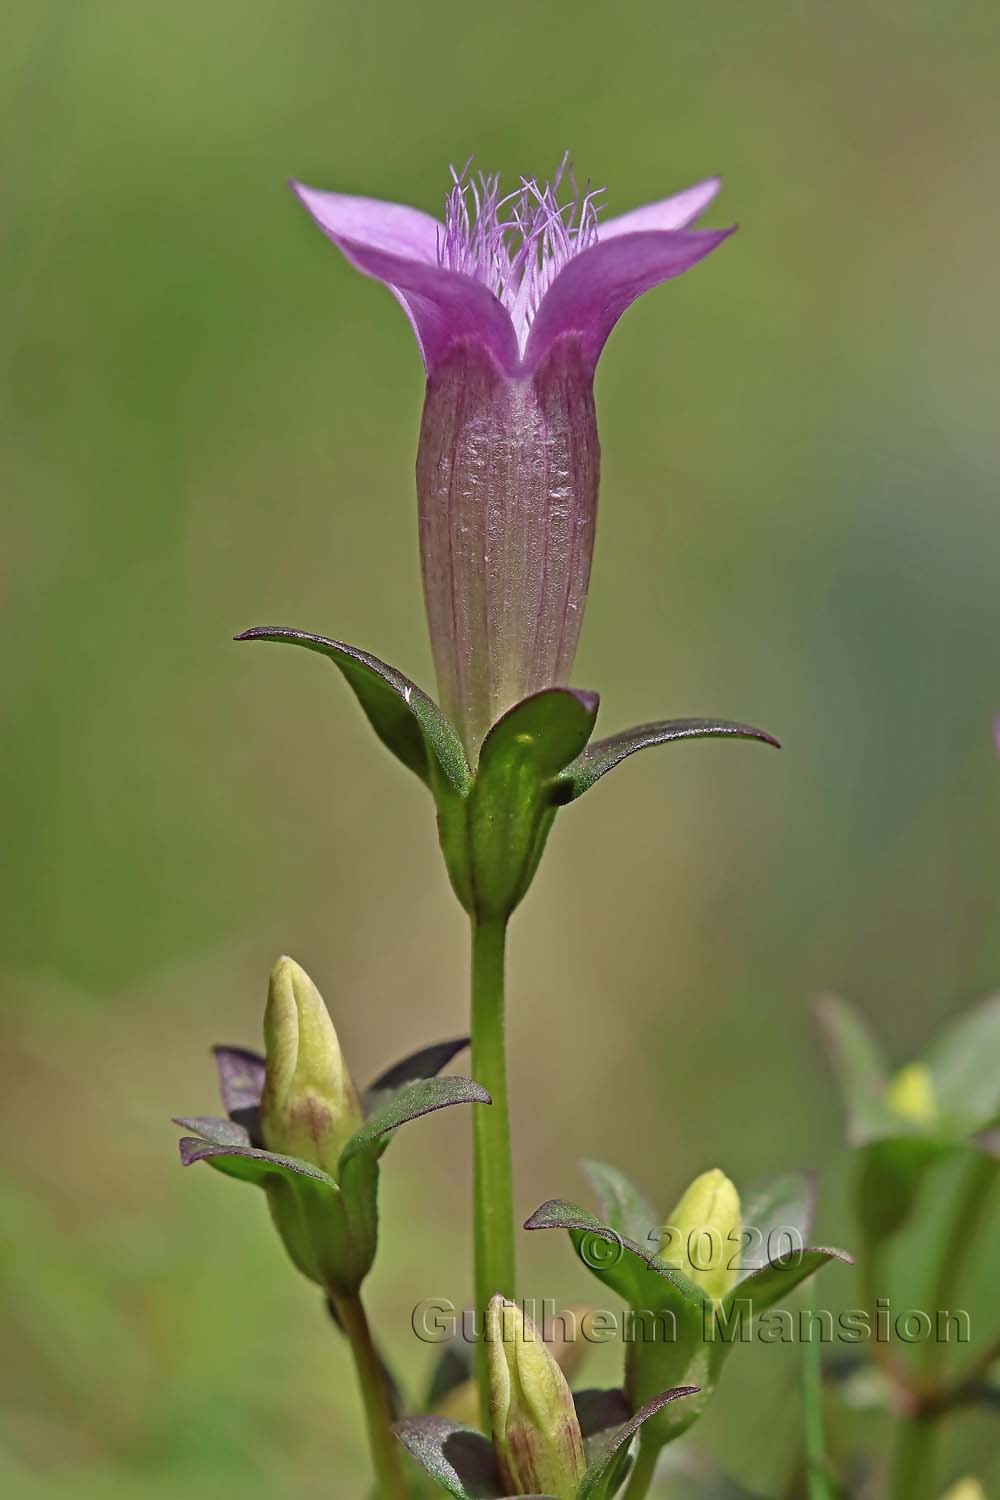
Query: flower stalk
point(495, 1269)
point(385, 1450)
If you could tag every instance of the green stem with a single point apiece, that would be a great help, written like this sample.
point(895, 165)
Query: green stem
point(643, 1470)
point(913, 1461)
point(493, 1190)
point(817, 1467)
point(386, 1453)
point(916, 1442)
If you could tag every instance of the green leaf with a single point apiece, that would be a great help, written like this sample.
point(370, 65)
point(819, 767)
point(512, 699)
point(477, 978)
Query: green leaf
point(248, 1163)
point(494, 839)
point(771, 1283)
point(597, 759)
point(638, 1277)
point(406, 720)
point(410, 1103)
point(964, 1064)
point(460, 1459)
point(861, 1072)
point(594, 1485)
point(624, 1207)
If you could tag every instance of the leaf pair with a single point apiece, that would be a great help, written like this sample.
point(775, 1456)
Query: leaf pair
point(328, 1224)
point(494, 818)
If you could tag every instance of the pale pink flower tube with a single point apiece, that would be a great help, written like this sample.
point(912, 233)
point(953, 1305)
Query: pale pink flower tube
point(511, 300)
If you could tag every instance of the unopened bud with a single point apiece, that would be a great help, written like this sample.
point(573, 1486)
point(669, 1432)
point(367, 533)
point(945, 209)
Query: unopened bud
point(965, 1489)
point(536, 1434)
point(702, 1236)
point(911, 1094)
point(310, 1106)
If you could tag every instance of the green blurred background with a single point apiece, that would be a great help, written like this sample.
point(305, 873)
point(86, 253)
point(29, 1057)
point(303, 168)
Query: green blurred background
point(210, 421)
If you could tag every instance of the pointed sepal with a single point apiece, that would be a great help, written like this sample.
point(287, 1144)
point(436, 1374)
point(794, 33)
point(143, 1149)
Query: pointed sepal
point(603, 755)
point(406, 720)
point(427, 1062)
point(410, 1103)
point(607, 1470)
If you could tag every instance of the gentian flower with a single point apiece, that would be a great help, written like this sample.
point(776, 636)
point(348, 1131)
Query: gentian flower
point(511, 298)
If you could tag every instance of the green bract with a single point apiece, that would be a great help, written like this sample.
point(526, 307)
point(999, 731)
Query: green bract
point(493, 820)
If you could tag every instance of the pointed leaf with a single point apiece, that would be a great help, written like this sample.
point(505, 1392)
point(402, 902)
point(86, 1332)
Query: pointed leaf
point(241, 1077)
point(459, 1458)
point(250, 1164)
point(409, 1104)
point(597, 759)
point(406, 720)
point(773, 1282)
point(639, 1278)
point(624, 1207)
point(964, 1064)
point(600, 1468)
point(427, 1063)
point(861, 1072)
point(217, 1132)
point(241, 1083)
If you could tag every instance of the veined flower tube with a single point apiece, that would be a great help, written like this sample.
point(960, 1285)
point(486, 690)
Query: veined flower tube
point(511, 298)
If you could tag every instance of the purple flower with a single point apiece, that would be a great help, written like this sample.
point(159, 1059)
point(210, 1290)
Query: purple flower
point(511, 298)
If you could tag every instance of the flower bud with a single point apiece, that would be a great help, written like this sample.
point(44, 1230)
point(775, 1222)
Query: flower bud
point(536, 1433)
point(911, 1094)
point(965, 1489)
point(702, 1236)
point(310, 1106)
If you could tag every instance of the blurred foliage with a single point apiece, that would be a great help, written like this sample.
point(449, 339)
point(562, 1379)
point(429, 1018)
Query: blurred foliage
point(209, 421)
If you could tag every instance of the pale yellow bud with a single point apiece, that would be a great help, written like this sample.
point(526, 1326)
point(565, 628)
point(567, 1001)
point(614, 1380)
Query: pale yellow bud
point(310, 1106)
point(536, 1434)
point(702, 1236)
point(911, 1094)
point(965, 1489)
